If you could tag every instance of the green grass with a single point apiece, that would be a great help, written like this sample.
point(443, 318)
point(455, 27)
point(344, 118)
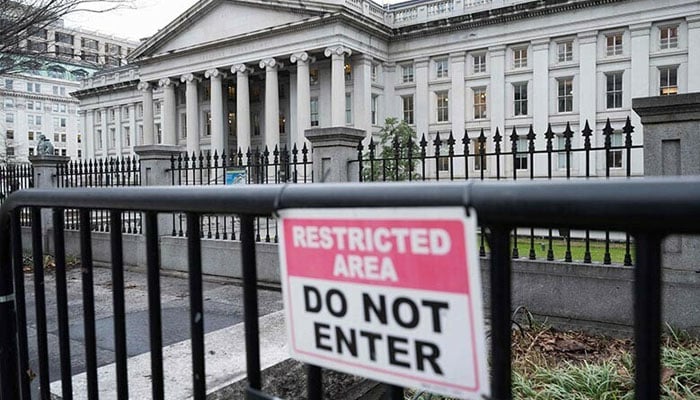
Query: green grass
point(578, 249)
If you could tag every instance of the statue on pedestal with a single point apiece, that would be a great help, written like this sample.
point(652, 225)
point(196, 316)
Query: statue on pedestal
point(44, 147)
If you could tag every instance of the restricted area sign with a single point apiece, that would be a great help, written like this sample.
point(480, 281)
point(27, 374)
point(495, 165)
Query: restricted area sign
point(391, 294)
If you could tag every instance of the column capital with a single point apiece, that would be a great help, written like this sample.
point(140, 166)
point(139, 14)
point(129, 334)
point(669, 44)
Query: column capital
point(301, 57)
point(166, 82)
point(189, 78)
point(337, 51)
point(240, 69)
point(270, 63)
point(214, 73)
point(144, 86)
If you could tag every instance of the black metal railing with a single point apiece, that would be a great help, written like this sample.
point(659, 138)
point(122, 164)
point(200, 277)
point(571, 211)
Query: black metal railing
point(14, 177)
point(252, 167)
point(110, 172)
point(516, 158)
point(640, 207)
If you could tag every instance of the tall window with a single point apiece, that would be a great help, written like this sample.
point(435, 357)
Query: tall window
point(9, 84)
point(313, 76)
point(479, 151)
point(561, 154)
point(374, 108)
point(313, 107)
point(565, 94)
point(407, 102)
point(348, 109)
point(98, 136)
point(375, 72)
point(407, 73)
point(479, 63)
point(565, 50)
point(520, 57)
point(615, 155)
point(112, 138)
point(183, 125)
point(613, 44)
point(442, 69)
point(668, 82)
point(443, 106)
point(668, 37)
point(521, 154)
point(613, 91)
point(10, 134)
point(10, 102)
point(520, 98)
point(127, 136)
point(479, 103)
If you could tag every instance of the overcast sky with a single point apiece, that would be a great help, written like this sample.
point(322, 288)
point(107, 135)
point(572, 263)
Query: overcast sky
point(141, 22)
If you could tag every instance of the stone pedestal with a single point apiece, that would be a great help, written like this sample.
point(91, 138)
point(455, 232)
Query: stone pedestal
point(333, 148)
point(45, 178)
point(156, 168)
point(672, 148)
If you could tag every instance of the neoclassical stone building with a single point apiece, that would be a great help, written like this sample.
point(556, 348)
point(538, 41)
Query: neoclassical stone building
point(230, 74)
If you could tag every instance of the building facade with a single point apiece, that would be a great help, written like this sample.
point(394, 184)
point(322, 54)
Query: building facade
point(204, 83)
point(37, 101)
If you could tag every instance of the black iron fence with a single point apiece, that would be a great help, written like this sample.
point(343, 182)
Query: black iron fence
point(575, 205)
point(14, 177)
point(110, 172)
point(252, 167)
point(518, 157)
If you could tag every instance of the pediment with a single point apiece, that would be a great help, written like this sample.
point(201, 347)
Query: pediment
point(220, 20)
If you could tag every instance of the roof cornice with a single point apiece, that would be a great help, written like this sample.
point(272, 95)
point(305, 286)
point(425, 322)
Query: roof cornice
point(110, 88)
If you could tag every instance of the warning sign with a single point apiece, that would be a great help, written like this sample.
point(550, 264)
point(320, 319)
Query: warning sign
point(391, 294)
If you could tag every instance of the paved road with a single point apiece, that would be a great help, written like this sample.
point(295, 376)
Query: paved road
point(222, 304)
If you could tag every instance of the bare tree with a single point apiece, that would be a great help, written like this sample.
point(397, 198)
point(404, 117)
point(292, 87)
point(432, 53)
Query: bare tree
point(22, 20)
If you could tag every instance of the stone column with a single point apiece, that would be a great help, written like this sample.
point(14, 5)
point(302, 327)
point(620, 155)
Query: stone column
point(105, 132)
point(218, 136)
point(303, 98)
point(498, 103)
point(133, 126)
point(45, 178)
point(192, 99)
point(242, 107)
point(272, 103)
point(671, 148)
point(337, 54)
point(457, 101)
point(168, 111)
point(90, 134)
point(693, 53)
point(148, 134)
point(392, 104)
point(119, 144)
point(362, 93)
point(333, 148)
point(540, 99)
point(587, 95)
point(422, 100)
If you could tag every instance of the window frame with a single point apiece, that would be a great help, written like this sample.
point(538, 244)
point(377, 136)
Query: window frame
point(520, 99)
point(613, 90)
point(671, 41)
point(408, 113)
point(668, 89)
point(480, 108)
point(614, 49)
point(479, 67)
point(313, 111)
point(407, 73)
point(442, 106)
point(520, 57)
point(565, 101)
point(567, 55)
point(442, 68)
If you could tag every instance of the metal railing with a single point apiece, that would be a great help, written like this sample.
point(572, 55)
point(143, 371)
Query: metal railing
point(640, 207)
point(14, 177)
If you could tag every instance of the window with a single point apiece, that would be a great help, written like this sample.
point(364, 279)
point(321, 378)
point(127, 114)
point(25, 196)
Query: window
point(443, 161)
point(407, 102)
point(63, 137)
point(521, 154)
point(64, 38)
point(63, 91)
point(443, 106)
point(348, 73)
point(55, 90)
point(615, 154)
point(9, 117)
point(561, 154)
point(479, 103)
point(111, 114)
point(80, 153)
point(207, 120)
point(613, 44)
point(79, 138)
point(183, 125)
point(613, 90)
point(375, 72)
point(442, 69)
point(10, 134)
point(159, 133)
point(125, 112)
point(156, 107)
point(63, 152)
point(139, 110)
point(520, 57)
point(407, 73)
point(668, 82)
point(10, 151)
point(62, 108)
point(31, 151)
point(55, 107)
point(98, 117)
point(89, 43)
point(565, 50)
point(479, 63)
point(479, 151)
point(9, 84)
point(313, 107)
point(348, 108)
point(374, 109)
point(127, 136)
point(98, 138)
point(520, 98)
point(9, 103)
point(565, 95)
point(30, 135)
point(55, 137)
point(313, 76)
point(668, 37)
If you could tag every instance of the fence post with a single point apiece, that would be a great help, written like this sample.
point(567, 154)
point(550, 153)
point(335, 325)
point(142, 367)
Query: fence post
point(155, 160)
point(45, 177)
point(672, 148)
point(333, 149)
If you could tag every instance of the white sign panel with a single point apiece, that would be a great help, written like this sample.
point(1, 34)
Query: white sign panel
point(391, 294)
